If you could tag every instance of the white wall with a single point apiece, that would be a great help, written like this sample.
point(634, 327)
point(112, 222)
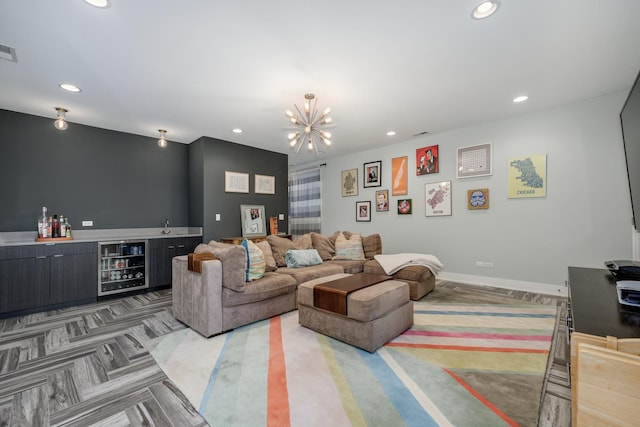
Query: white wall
point(584, 220)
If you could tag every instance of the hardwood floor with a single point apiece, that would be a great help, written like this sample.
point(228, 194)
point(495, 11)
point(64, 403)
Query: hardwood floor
point(87, 365)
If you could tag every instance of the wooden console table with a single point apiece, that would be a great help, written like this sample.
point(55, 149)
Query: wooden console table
point(256, 239)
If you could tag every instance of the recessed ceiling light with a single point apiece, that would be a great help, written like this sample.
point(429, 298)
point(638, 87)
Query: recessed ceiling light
point(98, 3)
point(521, 98)
point(236, 130)
point(391, 133)
point(69, 87)
point(485, 9)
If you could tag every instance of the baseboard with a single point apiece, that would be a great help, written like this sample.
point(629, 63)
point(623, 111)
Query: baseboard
point(539, 288)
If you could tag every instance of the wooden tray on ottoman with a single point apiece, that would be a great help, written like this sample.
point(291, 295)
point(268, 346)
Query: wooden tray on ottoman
point(332, 296)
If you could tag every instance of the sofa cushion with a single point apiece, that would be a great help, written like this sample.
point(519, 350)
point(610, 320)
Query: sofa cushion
point(416, 273)
point(350, 249)
point(304, 274)
point(268, 286)
point(270, 262)
point(296, 258)
point(349, 266)
point(280, 246)
point(234, 262)
point(325, 245)
point(255, 261)
point(371, 245)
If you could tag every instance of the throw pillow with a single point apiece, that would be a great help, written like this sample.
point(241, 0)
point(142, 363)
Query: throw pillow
point(325, 245)
point(372, 245)
point(349, 249)
point(270, 262)
point(255, 261)
point(280, 246)
point(296, 258)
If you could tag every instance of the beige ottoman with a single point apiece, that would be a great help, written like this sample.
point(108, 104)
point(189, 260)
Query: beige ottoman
point(420, 279)
point(375, 314)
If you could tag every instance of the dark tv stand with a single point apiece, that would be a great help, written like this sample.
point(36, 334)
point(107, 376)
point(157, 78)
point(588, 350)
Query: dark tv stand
point(594, 307)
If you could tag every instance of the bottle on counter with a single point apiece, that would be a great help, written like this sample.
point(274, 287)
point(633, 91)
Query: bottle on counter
point(63, 227)
point(42, 224)
point(67, 228)
point(49, 225)
point(55, 226)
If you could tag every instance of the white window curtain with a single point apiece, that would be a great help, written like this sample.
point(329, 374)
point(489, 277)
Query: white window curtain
point(304, 201)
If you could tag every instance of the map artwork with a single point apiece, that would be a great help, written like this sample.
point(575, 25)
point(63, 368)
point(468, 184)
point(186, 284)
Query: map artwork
point(527, 177)
point(438, 198)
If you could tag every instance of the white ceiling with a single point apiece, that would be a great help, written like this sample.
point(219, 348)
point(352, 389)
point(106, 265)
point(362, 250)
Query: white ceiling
point(202, 67)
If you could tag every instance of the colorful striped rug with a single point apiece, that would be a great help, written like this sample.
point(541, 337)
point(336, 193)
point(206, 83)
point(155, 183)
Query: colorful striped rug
point(459, 365)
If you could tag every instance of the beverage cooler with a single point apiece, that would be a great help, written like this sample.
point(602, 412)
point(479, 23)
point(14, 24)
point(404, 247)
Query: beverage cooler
point(122, 266)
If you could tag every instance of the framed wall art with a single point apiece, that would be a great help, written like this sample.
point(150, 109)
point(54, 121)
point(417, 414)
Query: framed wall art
point(399, 185)
point(527, 177)
point(382, 200)
point(427, 160)
point(438, 198)
point(405, 207)
point(349, 181)
point(363, 211)
point(478, 198)
point(236, 182)
point(253, 220)
point(264, 184)
point(474, 161)
point(372, 174)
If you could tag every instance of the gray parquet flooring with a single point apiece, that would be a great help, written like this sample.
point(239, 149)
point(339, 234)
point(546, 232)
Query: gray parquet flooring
point(87, 365)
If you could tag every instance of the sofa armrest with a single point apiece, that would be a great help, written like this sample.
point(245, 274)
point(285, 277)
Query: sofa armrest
point(197, 297)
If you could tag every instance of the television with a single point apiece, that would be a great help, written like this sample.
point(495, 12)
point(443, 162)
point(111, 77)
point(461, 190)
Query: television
point(630, 121)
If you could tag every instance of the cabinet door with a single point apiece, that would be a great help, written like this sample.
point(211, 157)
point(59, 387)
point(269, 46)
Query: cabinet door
point(161, 251)
point(73, 278)
point(24, 283)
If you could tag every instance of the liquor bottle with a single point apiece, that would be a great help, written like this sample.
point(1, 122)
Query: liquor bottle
point(63, 227)
point(49, 224)
point(42, 224)
point(67, 227)
point(55, 226)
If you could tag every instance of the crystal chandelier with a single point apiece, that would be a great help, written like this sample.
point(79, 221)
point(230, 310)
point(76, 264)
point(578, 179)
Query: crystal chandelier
point(309, 125)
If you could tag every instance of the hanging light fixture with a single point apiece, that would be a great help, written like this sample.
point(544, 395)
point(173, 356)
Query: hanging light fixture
point(61, 122)
point(310, 125)
point(162, 142)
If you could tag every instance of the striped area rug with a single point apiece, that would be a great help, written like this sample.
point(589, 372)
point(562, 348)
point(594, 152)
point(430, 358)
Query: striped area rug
point(459, 365)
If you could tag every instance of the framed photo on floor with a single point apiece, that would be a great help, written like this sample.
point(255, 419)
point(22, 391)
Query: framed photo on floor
point(372, 173)
point(363, 211)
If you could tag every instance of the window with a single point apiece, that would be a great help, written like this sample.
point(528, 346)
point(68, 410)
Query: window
point(304, 201)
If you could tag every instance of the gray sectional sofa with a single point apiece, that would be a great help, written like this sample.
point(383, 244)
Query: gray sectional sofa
point(220, 298)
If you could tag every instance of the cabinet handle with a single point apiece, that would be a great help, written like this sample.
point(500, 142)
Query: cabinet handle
point(172, 247)
point(181, 246)
point(58, 255)
point(41, 257)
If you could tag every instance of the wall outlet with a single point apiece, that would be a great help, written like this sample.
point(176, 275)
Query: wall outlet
point(484, 264)
point(87, 223)
point(281, 217)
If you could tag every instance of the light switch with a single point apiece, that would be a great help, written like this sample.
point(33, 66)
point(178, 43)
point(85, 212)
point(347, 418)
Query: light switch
point(217, 217)
point(281, 217)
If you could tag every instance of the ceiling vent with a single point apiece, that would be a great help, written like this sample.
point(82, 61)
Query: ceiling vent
point(424, 132)
point(8, 53)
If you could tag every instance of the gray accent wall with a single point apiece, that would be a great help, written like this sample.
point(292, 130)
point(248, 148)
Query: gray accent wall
point(209, 158)
point(584, 220)
point(115, 179)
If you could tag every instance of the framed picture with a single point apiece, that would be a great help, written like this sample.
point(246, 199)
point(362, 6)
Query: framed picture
point(372, 171)
point(236, 182)
point(478, 199)
point(399, 176)
point(474, 161)
point(404, 207)
point(253, 220)
point(349, 182)
point(363, 211)
point(427, 160)
point(527, 177)
point(382, 200)
point(265, 184)
point(438, 198)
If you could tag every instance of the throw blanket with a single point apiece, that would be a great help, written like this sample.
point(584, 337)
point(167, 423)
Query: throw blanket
point(394, 262)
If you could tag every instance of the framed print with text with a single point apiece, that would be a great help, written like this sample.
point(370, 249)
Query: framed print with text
point(264, 184)
point(474, 161)
point(399, 186)
point(527, 177)
point(405, 207)
point(372, 174)
point(363, 211)
point(236, 182)
point(438, 198)
point(349, 181)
